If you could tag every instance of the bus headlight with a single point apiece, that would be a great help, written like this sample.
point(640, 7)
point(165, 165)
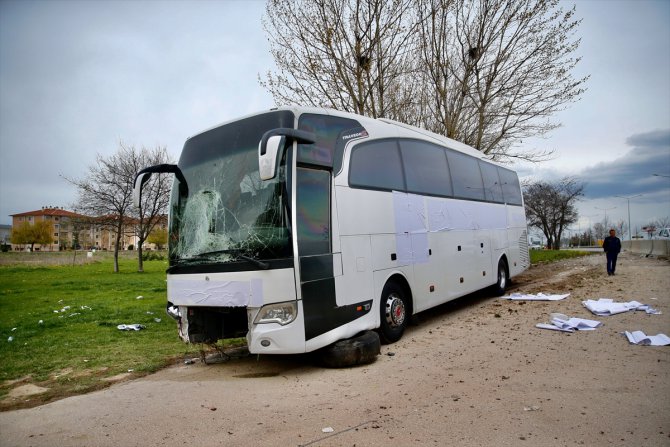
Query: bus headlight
point(282, 313)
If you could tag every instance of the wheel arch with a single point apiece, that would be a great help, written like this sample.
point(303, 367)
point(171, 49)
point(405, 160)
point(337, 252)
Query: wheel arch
point(401, 281)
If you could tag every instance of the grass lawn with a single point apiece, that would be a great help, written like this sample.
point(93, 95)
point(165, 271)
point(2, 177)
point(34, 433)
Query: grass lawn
point(62, 321)
point(538, 256)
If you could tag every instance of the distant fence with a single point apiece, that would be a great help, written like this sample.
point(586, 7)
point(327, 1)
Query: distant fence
point(656, 247)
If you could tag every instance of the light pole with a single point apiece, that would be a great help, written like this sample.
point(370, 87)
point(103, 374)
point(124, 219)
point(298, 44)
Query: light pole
point(605, 210)
point(630, 238)
point(589, 227)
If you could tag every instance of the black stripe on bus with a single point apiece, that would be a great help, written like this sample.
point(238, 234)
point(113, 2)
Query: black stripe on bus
point(321, 311)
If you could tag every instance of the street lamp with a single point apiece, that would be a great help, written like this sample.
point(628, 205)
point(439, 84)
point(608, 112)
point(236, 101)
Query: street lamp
point(605, 210)
point(630, 238)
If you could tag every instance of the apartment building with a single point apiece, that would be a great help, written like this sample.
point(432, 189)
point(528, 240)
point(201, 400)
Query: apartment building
point(69, 229)
point(62, 227)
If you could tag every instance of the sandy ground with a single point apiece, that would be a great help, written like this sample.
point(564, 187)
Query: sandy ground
point(475, 372)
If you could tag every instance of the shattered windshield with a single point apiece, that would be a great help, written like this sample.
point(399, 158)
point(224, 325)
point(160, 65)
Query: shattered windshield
point(230, 214)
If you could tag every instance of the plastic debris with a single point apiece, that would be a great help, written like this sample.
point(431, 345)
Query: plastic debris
point(139, 297)
point(531, 408)
point(327, 430)
point(157, 320)
point(40, 322)
point(130, 327)
point(13, 329)
point(10, 339)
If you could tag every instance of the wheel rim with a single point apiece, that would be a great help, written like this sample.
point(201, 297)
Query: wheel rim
point(502, 277)
point(395, 311)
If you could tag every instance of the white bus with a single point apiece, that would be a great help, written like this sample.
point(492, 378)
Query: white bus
point(299, 227)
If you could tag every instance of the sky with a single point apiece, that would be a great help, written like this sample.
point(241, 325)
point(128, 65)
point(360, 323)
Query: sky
point(79, 77)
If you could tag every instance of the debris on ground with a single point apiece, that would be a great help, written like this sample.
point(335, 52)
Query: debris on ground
point(130, 327)
point(535, 297)
point(640, 338)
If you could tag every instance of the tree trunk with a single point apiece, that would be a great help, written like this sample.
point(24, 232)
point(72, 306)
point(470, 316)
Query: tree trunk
point(140, 262)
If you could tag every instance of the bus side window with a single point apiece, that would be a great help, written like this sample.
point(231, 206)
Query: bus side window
point(377, 165)
point(492, 186)
point(467, 179)
point(510, 186)
point(426, 169)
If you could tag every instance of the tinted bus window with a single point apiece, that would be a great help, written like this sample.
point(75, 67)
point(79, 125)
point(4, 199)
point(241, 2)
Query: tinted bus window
point(492, 187)
point(377, 165)
point(466, 178)
point(426, 169)
point(326, 129)
point(510, 186)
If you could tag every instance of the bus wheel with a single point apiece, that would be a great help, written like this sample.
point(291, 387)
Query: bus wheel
point(359, 350)
point(503, 279)
point(394, 317)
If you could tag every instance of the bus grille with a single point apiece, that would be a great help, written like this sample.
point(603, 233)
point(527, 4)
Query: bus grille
point(523, 250)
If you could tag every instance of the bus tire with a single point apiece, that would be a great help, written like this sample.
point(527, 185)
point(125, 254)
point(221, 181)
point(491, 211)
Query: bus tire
point(359, 350)
point(394, 308)
point(503, 279)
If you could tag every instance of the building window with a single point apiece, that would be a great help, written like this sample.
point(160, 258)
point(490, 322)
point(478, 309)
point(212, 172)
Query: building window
point(55, 234)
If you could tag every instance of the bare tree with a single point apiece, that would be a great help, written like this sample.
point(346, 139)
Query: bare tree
point(351, 55)
point(488, 73)
point(550, 207)
point(662, 222)
point(106, 194)
point(498, 70)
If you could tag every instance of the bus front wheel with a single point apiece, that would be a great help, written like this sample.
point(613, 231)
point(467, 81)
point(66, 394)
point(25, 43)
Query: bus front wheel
point(393, 312)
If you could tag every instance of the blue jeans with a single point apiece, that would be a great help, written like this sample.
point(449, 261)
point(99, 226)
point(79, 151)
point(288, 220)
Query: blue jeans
point(611, 262)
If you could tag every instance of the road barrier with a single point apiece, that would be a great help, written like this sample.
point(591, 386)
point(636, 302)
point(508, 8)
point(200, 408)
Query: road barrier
point(656, 247)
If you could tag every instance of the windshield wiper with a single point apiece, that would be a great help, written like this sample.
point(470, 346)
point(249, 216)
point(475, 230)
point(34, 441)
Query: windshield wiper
point(256, 262)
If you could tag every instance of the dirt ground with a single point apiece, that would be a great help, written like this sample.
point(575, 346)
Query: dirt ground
point(473, 372)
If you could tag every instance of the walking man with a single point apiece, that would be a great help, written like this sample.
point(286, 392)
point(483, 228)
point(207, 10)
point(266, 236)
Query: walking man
point(612, 247)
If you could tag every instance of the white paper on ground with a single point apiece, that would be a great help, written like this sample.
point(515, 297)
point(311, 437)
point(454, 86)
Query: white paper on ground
point(535, 297)
point(607, 306)
point(551, 327)
point(560, 322)
point(639, 338)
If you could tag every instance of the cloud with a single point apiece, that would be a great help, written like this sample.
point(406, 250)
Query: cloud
point(632, 173)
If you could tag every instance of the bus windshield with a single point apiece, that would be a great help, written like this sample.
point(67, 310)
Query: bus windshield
point(229, 213)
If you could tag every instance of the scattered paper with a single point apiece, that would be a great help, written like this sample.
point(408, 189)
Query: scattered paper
point(639, 338)
point(560, 322)
point(535, 297)
point(607, 306)
point(130, 327)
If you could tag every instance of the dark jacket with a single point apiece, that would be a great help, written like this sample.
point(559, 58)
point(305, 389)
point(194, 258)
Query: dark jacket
point(612, 244)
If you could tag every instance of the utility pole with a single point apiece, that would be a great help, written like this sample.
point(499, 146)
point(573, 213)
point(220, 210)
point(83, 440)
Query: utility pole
point(630, 237)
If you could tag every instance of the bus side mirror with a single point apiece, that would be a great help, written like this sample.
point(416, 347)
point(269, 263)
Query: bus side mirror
point(268, 159)
point(272, 146)
point(143, 176)
point(140, 180)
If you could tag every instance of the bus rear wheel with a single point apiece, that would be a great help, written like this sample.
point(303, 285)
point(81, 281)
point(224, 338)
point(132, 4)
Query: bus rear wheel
point(503, 278)
point(394, 310)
